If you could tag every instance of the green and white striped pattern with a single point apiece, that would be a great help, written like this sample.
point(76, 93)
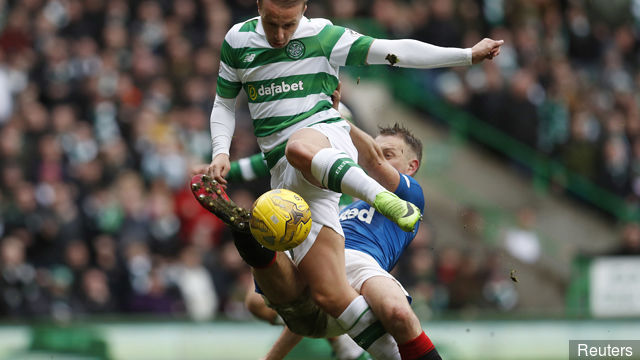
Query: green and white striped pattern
point(247, 169)
point(291, 87)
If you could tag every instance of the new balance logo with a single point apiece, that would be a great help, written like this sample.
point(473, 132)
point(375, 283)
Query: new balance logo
point(249, 58)
point(364, 215)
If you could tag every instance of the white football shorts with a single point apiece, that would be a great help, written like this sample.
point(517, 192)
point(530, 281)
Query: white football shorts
point(322, 202)
point(360, 267)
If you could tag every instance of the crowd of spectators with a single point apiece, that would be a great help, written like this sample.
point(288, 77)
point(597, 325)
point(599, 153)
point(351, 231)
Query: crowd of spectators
point(566, 82)
point(104, 107)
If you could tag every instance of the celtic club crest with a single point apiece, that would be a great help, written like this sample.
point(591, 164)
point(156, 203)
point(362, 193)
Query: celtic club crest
point(295, 49)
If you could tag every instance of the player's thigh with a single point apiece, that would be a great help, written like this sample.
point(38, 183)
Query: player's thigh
point(323, 269)
point(389, 302)
point(324, 135)
point(310, 139)
point(384, 292)
point(323, 204)
point(281, 282)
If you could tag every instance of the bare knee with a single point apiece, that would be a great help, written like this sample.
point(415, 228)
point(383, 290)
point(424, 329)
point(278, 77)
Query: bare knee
point(401, 322)
point(322, 298)
point(333, 301)
point(399, 314)
point(302, 147)
point(299, 154)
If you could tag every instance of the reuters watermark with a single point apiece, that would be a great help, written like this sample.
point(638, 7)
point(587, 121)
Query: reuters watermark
point(604, 349)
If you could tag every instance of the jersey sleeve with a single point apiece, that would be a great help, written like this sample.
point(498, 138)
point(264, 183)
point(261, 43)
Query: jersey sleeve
point(228, 84)
point(345, 46)
point(409, 189)
point(247, 169)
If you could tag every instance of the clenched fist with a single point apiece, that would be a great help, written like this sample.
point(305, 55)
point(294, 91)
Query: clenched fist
point(485, 49)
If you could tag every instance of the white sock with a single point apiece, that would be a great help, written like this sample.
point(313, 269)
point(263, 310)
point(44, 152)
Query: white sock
point(338, 172)
point(365, 329)
point(345, 348)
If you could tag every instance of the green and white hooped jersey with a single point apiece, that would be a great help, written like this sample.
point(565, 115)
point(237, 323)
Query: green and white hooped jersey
point(288, 88)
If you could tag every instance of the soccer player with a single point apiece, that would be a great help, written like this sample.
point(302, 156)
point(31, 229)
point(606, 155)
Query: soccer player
point(288, 66)
point(373, 245)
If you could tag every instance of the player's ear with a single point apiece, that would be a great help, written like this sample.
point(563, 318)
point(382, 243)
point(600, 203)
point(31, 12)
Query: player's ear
point(259, 10)
point(414, 164)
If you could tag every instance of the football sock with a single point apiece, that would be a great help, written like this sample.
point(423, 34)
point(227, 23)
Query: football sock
point(420, 348)
point(252, 252)
point(345, 348)
point(367, 331)
point(338, 172)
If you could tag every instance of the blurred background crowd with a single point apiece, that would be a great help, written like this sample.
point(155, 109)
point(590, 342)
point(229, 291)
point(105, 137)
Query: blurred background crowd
point(566, 82)
point(104, 107)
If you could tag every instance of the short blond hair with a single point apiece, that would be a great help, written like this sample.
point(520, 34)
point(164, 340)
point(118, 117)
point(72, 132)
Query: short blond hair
point(398, 130)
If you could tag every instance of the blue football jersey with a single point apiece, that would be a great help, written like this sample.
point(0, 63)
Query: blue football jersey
point(368, 231)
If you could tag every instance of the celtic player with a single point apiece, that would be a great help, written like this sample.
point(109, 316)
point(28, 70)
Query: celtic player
point(288, 66)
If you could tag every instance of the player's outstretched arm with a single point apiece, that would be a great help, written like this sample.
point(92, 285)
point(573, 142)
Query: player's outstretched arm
point(256, 305)
point(372, 160)
point(283, 345)
point(416, 54)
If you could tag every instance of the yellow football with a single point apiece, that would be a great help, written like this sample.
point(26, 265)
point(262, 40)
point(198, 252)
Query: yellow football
point(280, 219)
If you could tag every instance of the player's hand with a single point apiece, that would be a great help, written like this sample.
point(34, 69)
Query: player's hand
point(485, 49)
point(219, 168)
point(335, 97)
point(199, 169)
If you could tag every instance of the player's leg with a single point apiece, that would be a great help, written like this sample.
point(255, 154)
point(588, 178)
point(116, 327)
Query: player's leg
point(323, 164)
point(394, 311)
point(274, 272)
point(288, 294)
point(389, 302)
point(280, 282)
point(256, 305)
point(320, 258)
point(344, 348)
point(324, 270)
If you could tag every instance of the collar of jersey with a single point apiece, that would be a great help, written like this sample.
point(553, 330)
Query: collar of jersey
point(303, 20)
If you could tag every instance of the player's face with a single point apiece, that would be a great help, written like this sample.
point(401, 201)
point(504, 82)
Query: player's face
point(279, 23)
point(397, 153)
